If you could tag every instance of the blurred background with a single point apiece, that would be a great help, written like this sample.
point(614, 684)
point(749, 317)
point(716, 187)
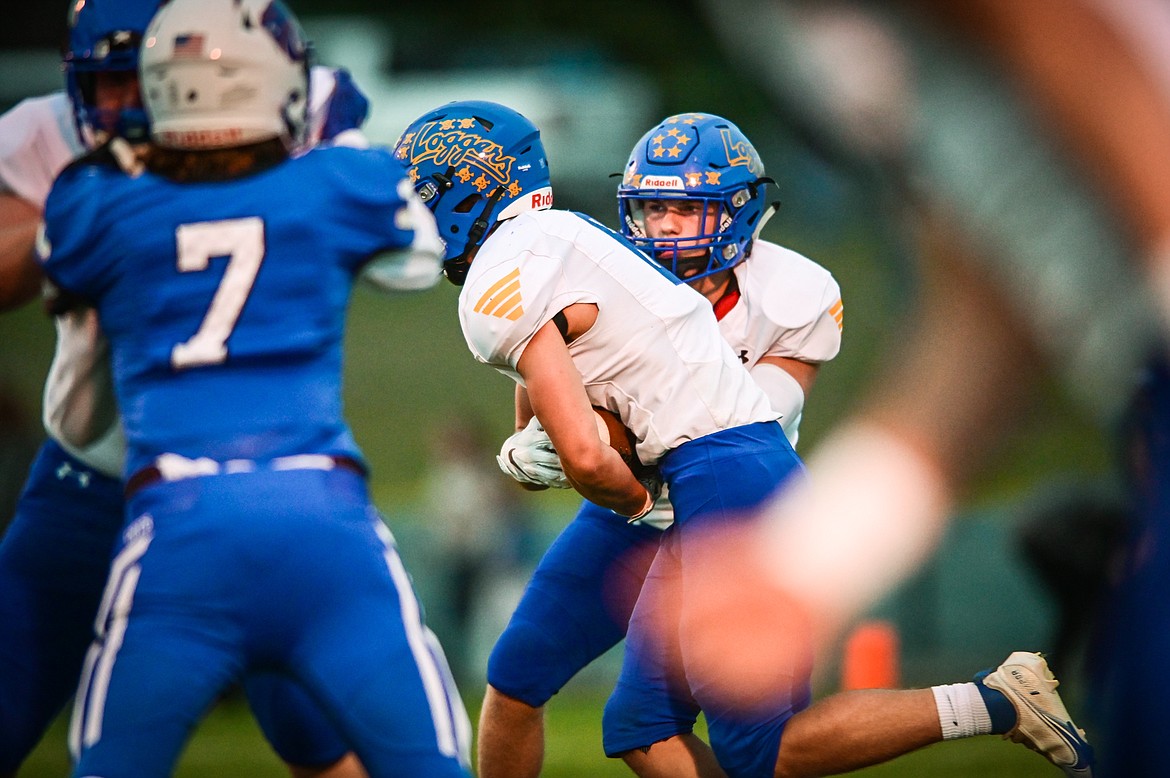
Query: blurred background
point(594, 76)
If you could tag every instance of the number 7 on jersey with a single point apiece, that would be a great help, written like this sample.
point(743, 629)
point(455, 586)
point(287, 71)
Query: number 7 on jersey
point(242, 241)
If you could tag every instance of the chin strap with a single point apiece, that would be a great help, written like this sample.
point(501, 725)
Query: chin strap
point(480, 226)
point(456, 269)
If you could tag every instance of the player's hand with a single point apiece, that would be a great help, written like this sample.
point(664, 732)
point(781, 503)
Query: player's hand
point(529, 457)
point(661, 515)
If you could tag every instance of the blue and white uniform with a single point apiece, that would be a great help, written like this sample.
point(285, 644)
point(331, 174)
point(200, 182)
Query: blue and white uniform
point(655, 356)
point(55, 556)
point(254, 544)
point(577, 605)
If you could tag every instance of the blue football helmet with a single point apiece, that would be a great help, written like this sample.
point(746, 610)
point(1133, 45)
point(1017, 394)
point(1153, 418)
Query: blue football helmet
point(702, 158)
point(104, 36)
point(474, 163)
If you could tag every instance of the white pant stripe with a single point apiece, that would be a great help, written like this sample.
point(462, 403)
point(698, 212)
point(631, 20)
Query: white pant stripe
point(110, 628)
point(128, 556)
point(96, 698)
point(459, 715)
point(442, 716)
point(75, 721)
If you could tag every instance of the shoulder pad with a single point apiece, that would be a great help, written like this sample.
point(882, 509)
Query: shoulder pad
point(793, 290)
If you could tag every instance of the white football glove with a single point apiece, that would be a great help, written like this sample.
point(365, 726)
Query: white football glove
point(529, 457)
point(661, 515)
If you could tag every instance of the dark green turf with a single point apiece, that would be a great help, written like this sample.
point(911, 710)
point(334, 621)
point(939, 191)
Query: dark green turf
point(228, 745)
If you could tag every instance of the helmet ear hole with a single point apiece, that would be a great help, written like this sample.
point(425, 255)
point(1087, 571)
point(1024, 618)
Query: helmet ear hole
point(467, 203)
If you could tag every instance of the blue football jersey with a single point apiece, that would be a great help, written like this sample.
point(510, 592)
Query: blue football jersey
point(224, 302)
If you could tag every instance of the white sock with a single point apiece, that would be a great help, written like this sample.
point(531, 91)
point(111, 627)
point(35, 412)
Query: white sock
point(961, 711)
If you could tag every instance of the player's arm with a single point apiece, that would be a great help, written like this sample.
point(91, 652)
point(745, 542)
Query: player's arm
point(416, 266)
point(787, 383)
point(524, 412)
point(558, 399)
point(338, 109)
point(20, 273)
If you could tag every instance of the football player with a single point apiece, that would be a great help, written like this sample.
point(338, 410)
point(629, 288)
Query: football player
point(55, 556)
point(694, 197)
point(579, 317)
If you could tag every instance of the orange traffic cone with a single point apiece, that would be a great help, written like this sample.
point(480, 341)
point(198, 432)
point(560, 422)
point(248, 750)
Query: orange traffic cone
point(870, 659)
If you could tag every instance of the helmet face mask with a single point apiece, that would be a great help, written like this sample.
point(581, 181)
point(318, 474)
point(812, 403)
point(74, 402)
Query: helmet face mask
point(225, 73)
point(684, 234)
point(104, 38)
point(703, 161)
point(473, 164)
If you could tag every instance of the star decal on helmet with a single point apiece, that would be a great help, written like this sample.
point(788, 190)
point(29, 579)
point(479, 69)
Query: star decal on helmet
point(671, 145)
point(685, 118)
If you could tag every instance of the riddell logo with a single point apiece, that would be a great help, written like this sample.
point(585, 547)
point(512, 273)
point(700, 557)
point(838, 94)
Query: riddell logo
point(536, 200)
point(662, 182)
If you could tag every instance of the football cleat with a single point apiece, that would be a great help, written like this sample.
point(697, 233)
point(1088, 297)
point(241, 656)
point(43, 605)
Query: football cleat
point(1042, 721)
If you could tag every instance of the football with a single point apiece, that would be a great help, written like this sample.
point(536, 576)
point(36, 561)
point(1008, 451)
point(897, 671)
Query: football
point(618, 436)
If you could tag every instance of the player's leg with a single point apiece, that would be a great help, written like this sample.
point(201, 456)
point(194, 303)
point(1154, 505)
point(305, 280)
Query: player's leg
point(381, 671)
point(777, 733)
point(297, 728)
point(855, 729)
point(510, 737)
point(576, 607)
point(167, 646)
point(714, 482)
point(650, 716)
point(53, 564)
point(348, 766)
point(334, 608)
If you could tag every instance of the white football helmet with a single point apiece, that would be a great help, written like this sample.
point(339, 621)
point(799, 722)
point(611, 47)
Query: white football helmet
point(224, 73)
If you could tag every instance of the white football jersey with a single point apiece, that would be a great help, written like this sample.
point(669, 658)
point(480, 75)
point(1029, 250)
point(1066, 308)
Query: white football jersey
point(789, 306)
point(38, 138)
point(655, 355)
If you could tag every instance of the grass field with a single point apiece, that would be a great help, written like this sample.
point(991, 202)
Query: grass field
point(228, 745)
